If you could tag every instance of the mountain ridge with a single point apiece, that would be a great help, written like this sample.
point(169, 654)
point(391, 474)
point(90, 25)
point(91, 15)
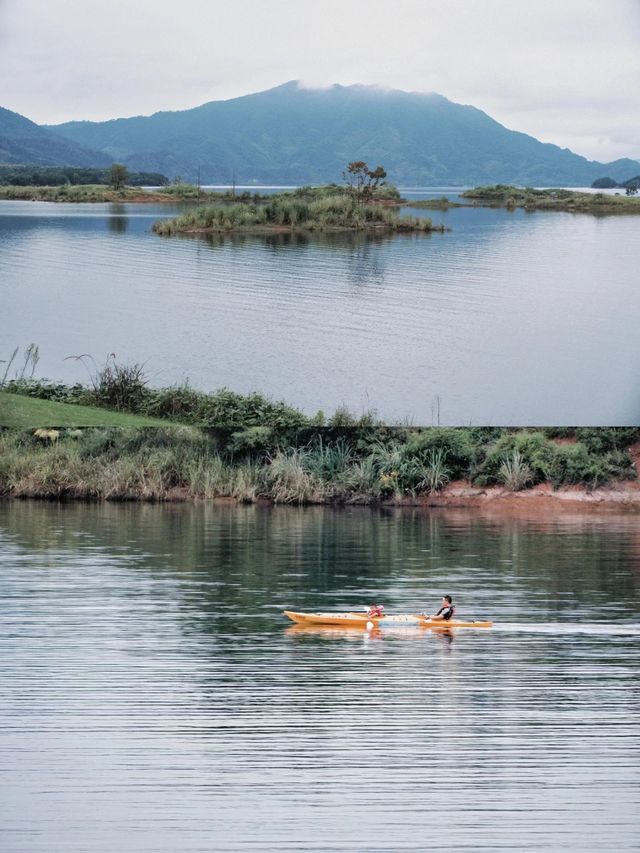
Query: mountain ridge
point(296, 134)
point(23, 142)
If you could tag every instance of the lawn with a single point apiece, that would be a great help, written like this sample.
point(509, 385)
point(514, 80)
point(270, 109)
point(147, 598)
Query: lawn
point(28, 412)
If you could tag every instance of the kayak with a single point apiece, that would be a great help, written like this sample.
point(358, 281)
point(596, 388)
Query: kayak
point(361, 620)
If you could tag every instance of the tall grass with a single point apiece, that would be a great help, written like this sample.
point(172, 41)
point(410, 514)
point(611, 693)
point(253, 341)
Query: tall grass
point(288, 465)
point(514, 472)
point(338, 212)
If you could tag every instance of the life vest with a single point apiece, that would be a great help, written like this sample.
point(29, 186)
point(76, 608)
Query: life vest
point(375, 610)
point(446, 612)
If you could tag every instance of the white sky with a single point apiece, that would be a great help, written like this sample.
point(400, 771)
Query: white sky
point(565, 71)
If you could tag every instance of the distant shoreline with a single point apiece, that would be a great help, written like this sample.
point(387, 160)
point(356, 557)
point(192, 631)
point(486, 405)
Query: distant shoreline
point(497, 196)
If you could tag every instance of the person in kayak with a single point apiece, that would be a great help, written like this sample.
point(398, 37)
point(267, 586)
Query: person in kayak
point(447, 610)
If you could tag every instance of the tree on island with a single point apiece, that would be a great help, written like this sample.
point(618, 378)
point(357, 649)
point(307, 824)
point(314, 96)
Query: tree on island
point(362, 181)
point(118, 176)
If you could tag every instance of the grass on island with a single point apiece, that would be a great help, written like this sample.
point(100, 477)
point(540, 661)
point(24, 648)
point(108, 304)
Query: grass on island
point(360, 465)
point(330, 213)
point(17, 411)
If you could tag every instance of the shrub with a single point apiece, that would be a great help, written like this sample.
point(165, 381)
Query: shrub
point(575, 464)
point(120, 386)
point(603, 439)
point(178, 402)
point(455, 444)
point(45, 390)
point(534, 448)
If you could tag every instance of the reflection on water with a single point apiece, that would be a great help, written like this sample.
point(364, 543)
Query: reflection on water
point(118, 221)
point(509, 318)
point(349, 240)
point(155, 699)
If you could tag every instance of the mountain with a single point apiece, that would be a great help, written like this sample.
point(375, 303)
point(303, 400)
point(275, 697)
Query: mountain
point(290, 134)
point(23, 141)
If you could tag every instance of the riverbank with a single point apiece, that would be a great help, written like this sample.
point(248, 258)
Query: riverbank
point(541, 497)
point(370, 465)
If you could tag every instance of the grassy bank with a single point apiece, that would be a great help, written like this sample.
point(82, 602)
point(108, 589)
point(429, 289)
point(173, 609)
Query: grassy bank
point(365, 465)
point(502, 195)
point(122, 391)
point(332, 213)
point(18, 411)
point(92, 193)
point(179, 193)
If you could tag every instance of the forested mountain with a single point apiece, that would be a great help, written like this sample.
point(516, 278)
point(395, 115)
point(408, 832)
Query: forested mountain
point(23, 141)
point(294, 135)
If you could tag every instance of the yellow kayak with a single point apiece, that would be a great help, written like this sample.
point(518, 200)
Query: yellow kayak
point(361, 620)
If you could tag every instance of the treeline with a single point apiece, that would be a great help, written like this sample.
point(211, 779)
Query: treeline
point(50, 176)
point(358, 465)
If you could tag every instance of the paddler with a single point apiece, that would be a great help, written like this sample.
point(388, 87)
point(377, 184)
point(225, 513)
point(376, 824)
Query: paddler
point(447, 610)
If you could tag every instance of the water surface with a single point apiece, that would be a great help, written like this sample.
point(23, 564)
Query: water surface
point(152, 697)
point(509, 318)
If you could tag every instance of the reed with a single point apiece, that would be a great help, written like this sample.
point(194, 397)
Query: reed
point(330, 212)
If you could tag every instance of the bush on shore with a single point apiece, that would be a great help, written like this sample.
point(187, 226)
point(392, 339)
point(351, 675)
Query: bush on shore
point(290, 464)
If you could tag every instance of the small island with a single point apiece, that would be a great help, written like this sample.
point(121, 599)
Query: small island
point(339, 213)
point(572, 201)
point(364, 203)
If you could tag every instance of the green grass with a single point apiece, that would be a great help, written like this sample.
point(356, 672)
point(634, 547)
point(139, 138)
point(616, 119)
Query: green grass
point(80, 193)
point(27, 412)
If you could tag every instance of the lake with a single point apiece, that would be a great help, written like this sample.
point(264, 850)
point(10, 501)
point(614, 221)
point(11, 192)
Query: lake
point(510, 318)
point(152, 697)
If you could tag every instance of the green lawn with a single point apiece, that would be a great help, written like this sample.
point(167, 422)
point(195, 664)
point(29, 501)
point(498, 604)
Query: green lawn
point(29, 412)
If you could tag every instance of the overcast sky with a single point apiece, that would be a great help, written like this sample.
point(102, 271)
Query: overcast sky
point(565, 71)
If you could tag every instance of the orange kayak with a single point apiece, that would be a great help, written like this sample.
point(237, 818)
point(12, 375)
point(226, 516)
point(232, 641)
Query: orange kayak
point(361, 620)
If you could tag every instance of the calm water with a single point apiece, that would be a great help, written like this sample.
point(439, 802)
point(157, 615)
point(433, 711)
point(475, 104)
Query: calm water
point(510, 318)
point(153, 699)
